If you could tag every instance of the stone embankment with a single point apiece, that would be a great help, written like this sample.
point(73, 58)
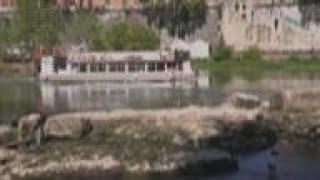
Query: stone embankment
point(186, 140)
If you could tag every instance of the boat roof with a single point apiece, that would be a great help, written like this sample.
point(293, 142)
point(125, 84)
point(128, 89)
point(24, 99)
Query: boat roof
point(120, 56)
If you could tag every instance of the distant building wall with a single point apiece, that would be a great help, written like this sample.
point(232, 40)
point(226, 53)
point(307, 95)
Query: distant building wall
point(276, 29)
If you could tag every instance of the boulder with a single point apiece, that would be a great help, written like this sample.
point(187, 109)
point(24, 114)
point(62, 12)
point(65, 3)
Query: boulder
point(67, 127)
point(246, 101)
point(30, 128)
point(302, 99)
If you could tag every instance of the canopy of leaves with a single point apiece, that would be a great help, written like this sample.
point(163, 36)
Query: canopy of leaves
point(127, 36)
point(82, 27)
point(179, 17)
point(33, 23)
point(88, 28)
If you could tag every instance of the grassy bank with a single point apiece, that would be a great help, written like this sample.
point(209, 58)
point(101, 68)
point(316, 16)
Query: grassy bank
point(254, 70)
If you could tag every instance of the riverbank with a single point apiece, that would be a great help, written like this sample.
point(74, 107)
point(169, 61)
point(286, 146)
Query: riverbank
point(188, 140)
point(17, 69)
point(254, 70)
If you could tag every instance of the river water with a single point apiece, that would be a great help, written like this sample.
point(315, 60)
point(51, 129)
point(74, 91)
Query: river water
point(22, 95)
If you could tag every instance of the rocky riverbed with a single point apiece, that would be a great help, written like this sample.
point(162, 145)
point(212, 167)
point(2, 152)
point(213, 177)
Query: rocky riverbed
point(189, 140)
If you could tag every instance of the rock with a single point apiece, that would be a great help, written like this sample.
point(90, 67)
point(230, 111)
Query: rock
point(302, 99)
point(6, 156)
point(30, 128)
point(241, 100)
point(67, 127)
point(4, 130)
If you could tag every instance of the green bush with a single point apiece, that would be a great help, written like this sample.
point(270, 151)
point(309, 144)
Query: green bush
point(222, 52)
point(252, 54)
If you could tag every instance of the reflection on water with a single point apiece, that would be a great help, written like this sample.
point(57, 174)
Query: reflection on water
point(19, 96)
point(105, 96)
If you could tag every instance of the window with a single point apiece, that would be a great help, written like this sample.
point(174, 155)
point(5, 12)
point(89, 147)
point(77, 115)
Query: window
point(83, 67)
point(151, 67)
point(171, 66)
point(137, 67)
point(180, 65)
point(160, 66)
point(117, 67)
point(132, 67)
point(102, 67)
point(237, 6)
point(244, 16)
point(75, 66)
point(94, 67)
point(276, 24)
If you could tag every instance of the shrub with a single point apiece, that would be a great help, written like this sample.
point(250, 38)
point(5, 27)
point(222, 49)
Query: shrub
point(222, 52)
point(252, 54)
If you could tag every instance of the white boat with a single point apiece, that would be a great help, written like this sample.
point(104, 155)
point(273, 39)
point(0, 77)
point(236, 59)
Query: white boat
point(118, 66)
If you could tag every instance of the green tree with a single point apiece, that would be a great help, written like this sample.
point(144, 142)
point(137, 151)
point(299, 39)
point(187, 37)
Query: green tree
point(82, 27)
point(179, 17)
point(33, 23)
point(127, 36)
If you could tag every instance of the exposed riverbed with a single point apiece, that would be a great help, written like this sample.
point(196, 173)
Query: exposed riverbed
point(295, 160)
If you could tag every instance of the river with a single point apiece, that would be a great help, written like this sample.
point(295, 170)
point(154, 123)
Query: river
point(22, 95)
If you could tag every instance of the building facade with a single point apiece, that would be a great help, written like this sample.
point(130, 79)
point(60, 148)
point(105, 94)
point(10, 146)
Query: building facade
point(275, 29)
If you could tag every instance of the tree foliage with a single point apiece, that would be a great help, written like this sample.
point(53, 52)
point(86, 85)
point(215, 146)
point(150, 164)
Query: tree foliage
point(88, 28)
point(82, 27)
point(33, 23)
point(179, 17)
point(128, 36)
point(222, 52)
point(37, 22)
